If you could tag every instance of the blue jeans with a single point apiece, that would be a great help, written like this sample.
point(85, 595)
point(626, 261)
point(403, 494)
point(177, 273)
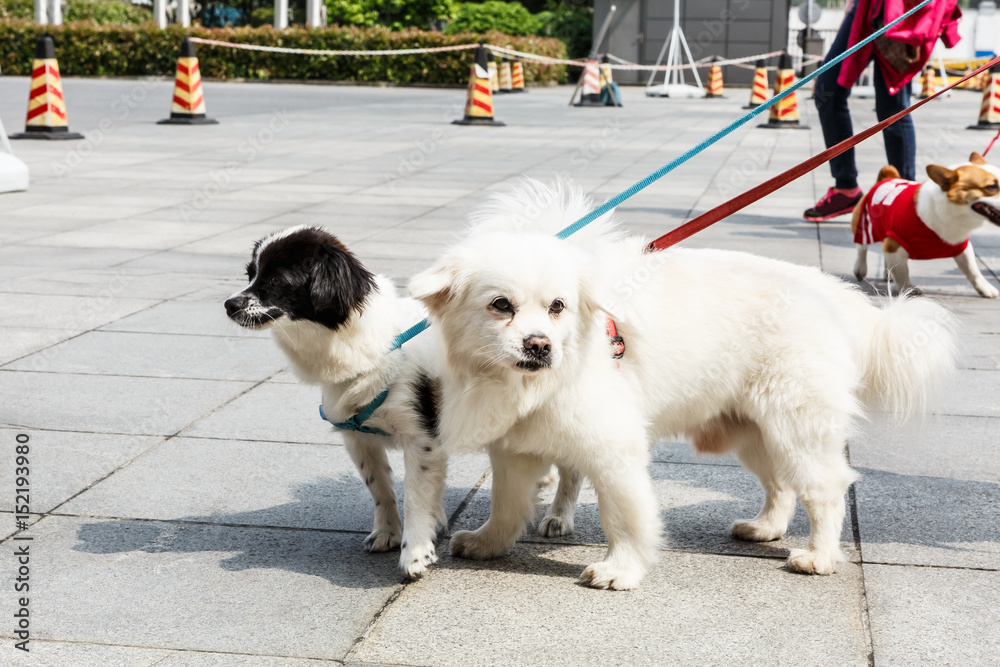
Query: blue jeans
point(835, 117)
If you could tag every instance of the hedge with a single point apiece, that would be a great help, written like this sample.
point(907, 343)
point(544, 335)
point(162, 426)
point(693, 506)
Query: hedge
point(86, 49)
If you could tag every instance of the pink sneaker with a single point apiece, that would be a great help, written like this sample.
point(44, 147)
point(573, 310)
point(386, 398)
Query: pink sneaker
point(835, 202)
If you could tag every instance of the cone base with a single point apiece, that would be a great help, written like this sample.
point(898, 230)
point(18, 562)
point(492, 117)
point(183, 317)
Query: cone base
point(477, 120)
point(752, 106)
point(518, 90)
point(506, 90)
point(784, 125)
point(178, 119)
point(48, 134)
point(715, 95)
point(993, 127)
point(590, 100)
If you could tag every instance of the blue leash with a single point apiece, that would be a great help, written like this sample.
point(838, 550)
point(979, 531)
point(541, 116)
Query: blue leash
point(356, 423)
point(729, 129)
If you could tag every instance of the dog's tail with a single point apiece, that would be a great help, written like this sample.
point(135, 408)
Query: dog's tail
point(887, 172)
point(911, 356)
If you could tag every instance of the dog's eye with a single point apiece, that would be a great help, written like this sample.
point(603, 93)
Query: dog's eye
point(556, 307)
point(992, 188)
point(502, 305)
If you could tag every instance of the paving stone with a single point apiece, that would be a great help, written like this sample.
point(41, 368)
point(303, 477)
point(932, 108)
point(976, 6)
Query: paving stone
point(159, 355)
point(62, 464)
point(207, 588)
point(294, 486)
point(929, 616)
point(60, 654)
point(691, 609)
point(204, 318)
point(109, 404)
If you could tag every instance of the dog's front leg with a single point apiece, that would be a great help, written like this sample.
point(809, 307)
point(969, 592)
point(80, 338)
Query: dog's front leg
point(861, 263)
point(373, 466)
point(897, 267)
point(512, 504)
point(423, 504)
point(631, 522)
point(970, 267)
point(558, 519)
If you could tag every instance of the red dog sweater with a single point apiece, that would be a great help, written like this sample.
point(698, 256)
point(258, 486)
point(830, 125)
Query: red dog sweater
point(890, 210)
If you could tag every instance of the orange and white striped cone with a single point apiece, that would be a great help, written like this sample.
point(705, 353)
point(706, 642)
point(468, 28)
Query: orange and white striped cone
point(713, 86)
point(46, 106)
point(491, 67)
point(188, 106)
point(590, 86)
point(758, 92)
point(605, 72)
point(517, 78)
point(506, 85)
point(479, 101)
point(929, 83)
point(989, 110)
point(785, 113)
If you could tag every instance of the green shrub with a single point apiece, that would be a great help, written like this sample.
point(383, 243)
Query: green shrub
point(118, 12)
point(85, 49)
point(394, 14)
point(507, 17)
point(574, 28)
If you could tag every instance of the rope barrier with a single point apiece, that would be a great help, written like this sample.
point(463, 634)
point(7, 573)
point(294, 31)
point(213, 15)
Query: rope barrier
point(503, 51)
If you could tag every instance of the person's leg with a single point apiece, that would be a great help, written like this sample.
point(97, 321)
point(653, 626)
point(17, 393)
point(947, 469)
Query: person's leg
point(834, 115)
point(900, 138)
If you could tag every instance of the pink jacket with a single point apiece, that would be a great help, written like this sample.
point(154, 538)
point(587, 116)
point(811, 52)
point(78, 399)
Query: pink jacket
point(938, 19)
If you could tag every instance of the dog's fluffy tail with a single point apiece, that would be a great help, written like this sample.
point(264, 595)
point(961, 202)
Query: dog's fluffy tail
point(547, 208)
point(911, 356)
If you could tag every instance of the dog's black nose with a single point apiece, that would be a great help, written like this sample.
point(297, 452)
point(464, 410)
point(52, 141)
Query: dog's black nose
point(537, 346)
point(235, 304)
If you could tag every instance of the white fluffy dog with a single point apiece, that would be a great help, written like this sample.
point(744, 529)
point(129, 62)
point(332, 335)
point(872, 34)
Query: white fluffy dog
point(773, 361)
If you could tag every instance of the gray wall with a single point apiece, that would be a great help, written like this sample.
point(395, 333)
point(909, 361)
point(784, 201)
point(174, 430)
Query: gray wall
point(727, 28)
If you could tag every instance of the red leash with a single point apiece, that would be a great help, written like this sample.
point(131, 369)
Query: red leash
point(992, 141)
point(712, 216)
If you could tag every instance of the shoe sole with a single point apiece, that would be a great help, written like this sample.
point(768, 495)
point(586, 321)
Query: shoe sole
point(828, 217)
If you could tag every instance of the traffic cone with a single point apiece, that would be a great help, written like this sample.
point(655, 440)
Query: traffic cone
point(494, 80)
point(517, 78)
point(785, 113)
point(479, 102)
point(758, 92)
point(590, 86)
point(989, 111)
point(605, 72)
point(506, 85)
point(46, 106)
point(713, 86)
point(188, 107)
point(929, 85)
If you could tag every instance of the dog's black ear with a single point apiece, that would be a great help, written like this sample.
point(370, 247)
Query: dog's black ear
point(338, 284)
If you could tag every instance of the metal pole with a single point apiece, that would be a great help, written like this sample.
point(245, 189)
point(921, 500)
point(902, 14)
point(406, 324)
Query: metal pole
point(280, 14)
point(600, 35)
point(55, 12)
point(184, 12)
point(41, 12)
point(312, 13)
point(160, 13)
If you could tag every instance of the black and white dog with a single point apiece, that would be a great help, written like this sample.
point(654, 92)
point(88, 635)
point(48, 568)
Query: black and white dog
point(335, 321)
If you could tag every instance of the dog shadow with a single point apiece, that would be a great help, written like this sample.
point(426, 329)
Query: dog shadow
point(929, 512)
point(283, 536)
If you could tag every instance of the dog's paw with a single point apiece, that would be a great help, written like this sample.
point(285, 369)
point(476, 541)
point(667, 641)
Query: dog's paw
point(473, 545)
point(811, 562)
point(755, 531)
point(555, 526)
point(611, 575)
point(984, 288)
point(415, 559)
point(383, 540)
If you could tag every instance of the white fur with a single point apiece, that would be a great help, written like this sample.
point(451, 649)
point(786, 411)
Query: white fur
point(773, 361)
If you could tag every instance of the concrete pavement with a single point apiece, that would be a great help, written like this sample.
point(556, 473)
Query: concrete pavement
point(188, 506)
